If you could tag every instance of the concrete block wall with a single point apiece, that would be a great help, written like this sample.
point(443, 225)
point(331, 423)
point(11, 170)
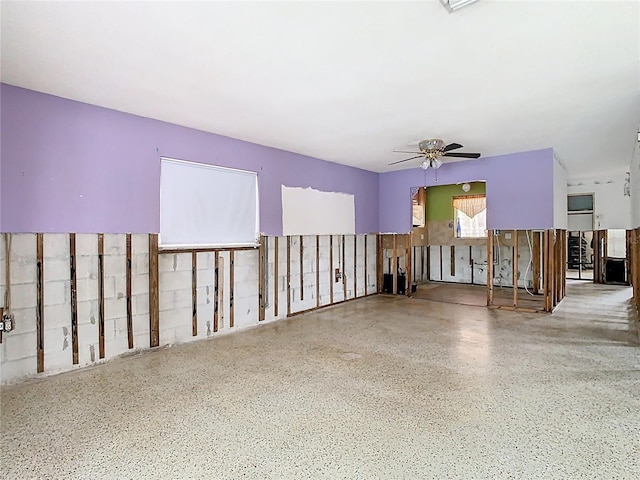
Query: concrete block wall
point(18, 350)
point(57, 303)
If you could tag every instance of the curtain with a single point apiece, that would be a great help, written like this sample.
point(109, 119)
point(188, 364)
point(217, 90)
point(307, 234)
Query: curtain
point(471, 205)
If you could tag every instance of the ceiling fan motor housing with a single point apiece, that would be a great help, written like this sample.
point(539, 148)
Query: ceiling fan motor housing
point(431, 144)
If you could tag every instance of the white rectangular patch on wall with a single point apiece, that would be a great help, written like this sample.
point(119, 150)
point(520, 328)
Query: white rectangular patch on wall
point(205, 205)
point(306, 211)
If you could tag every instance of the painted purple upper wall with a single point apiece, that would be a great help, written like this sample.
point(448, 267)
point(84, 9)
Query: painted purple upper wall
point(519, 190)
point(73, 167)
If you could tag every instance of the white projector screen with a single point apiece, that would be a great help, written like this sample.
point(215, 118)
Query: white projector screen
point(306, 211)
point(204, 205)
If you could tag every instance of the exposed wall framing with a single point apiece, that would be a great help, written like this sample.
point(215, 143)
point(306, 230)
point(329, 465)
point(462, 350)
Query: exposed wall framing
point(550, 253)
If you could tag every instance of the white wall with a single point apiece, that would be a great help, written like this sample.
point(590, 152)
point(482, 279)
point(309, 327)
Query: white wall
point(612, 209)
point(559, 195)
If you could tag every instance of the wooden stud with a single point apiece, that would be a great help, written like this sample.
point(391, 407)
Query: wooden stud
point(422, 263)
point(74, 297)
point(452, 266)
point(428, 263)
point(262, 296)
point(232, 285)
point(379, 263)
point(471, 262)
point(536, 262)
point(288, 276)
point(344, 269)
point(366, 258)
point(394, 262)
point(489, 267)
point(39, 302)
point(355, 266)
point(331, 274)
point(1, 314)
point(276, 277)
point(154, 299)
point(129, 273)
point(317, 270)
point(216, 290)
point(301, 268)
point(101, 295)
point(220, 292)
point(441, 276)
point(167, 251)
point(408, 263)
point(194, 294)
point(514, 274)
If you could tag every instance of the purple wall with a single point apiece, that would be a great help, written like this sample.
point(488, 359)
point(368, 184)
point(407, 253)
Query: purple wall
point(73, 167)
point(519, 190)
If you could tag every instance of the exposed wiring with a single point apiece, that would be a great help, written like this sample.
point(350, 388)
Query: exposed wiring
point(529, 264)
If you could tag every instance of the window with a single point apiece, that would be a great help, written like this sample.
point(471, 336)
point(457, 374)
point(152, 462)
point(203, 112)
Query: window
point(470, 216)
point(205, 205)
point(580, 203)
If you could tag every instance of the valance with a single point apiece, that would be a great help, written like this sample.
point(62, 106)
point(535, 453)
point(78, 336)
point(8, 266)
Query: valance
point(471, 205)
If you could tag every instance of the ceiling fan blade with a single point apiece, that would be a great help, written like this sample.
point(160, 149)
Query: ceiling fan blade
point(462, 155)
point(451, 146)
point(405, 160)
point(404, 151)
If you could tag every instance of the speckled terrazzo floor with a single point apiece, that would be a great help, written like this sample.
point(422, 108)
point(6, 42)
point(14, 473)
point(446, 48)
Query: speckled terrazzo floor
point(384, 387)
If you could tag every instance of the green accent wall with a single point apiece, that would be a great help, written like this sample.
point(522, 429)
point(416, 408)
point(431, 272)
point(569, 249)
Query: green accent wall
point(440, 199)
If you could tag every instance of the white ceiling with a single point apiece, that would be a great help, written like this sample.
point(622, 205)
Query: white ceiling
point(350, 81)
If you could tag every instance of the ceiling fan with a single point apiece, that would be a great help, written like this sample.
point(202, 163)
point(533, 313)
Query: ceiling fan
point(433, 148)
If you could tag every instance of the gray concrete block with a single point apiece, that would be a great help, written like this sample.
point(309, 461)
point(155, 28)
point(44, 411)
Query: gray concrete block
point(87, 289)
point(87, 267)
point(139, 243)
point(12, 371)
point(23, 245)
point(86, 244)
point(57, 316)
point(174, 281)
point(88, 312)
point(57, 269)
point(56, 293)
point(55, 246)
point(23, 296)
point(175, 299)
point(19, 345)
point(140, 304)
point(23, 272)
point(115, 244)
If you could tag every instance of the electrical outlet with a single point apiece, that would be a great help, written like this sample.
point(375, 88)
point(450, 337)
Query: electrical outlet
point(507, 236)
point(7, 323)
point(338, 275)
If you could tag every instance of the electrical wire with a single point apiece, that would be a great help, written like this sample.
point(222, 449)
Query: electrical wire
point(529, 265)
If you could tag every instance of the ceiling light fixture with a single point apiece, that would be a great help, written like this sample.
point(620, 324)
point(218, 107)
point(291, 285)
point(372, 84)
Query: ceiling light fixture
point(434, 163)
point(453, 5)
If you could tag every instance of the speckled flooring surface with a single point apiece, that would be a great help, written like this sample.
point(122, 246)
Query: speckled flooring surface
point(384, 387)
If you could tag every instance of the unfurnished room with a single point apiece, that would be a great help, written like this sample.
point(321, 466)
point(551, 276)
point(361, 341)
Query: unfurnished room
point(318, 239)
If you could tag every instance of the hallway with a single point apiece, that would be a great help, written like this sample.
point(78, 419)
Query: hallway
point(383, 387)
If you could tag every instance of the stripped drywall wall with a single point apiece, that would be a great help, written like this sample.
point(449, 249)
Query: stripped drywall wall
point(226, 288)
point(73, 167)
point(519, 190)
